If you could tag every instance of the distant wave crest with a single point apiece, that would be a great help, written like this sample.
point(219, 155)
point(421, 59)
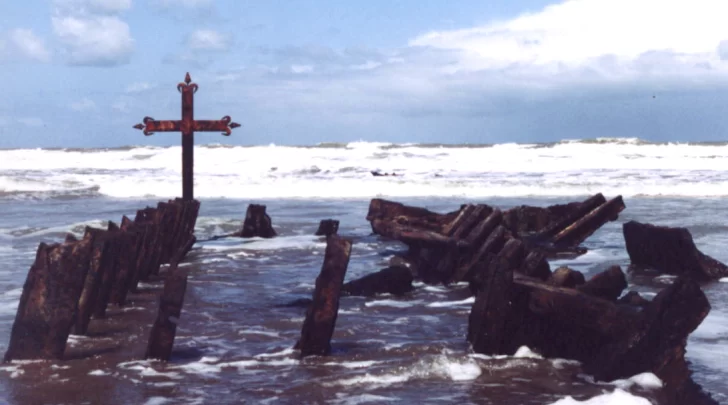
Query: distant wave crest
point(627, 166)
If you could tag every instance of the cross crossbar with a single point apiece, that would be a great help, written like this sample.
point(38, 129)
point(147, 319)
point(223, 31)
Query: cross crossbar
point(223, 125)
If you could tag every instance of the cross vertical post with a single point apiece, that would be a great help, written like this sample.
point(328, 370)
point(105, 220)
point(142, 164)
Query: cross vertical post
point(187, 126)
point(188, 141)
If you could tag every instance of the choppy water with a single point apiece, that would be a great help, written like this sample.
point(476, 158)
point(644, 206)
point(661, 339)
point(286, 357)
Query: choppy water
point(235, 336)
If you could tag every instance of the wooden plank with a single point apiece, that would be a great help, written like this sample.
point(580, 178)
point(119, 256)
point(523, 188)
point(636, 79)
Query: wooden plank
point(92, 284)
point(257, 223)
point(49, 301)
point(161, 337)
point(577, 232)
point(318, 327)
point(491, 310)
point(584, 208)
point(327, 227)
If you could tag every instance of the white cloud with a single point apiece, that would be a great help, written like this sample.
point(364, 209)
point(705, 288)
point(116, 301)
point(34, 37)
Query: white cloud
point(184, 3)
point(31, 121)
point(189, 58)
point(85, 104)
point(208, 40)
point(570, 70)
point(110, 6)
point(580, 65)
point(200, 48)
point(369, 65)
point(29, 45)
point(138, 87)
point(91, 31)
point(301, 69)
point(723, 50)
point(20, 44)
point(94, 40)
point(91, 6)
point(121, 106)
point(578, 33)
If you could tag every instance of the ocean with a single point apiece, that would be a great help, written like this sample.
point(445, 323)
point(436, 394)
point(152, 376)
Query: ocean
point(236, 333)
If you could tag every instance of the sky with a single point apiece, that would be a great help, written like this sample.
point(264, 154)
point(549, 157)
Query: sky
point(81, 73)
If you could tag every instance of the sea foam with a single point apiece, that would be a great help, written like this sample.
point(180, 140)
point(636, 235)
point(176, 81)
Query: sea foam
point(618, 397)
point(567, 168)
point(441, 366)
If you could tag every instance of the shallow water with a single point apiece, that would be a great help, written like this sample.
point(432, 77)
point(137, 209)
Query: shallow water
point(235, 336)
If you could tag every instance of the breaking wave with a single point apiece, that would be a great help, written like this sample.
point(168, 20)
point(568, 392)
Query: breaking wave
point(627, 166)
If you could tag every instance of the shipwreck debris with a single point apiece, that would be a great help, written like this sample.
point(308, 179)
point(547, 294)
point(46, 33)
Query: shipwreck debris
point(611, 339)
point(49, 301)
point(445, 248)
point(100, 262)
point(161, 337)
point(566, 277)
point(72, 283)
point(318, 327)
point(669, 250)
point(608, 284)
point(257, 223)
point(327, 227)
point(395, 280)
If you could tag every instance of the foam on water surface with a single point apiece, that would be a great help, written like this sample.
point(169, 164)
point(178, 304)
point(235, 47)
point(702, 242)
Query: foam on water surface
point(76, 229)
point(343, 399)
point(265, 245)
point(430, 288)
point(644, 380)
point(581, 263)
point(392, 303)
point(440, 366)
point(617, 397)
point(158, 401)
point(524, 352)
point(211, 366)
point(286, 242)
point(354, 364)
point(561, 169)
point(283, 353)
point(467, 301)
point(258, 331)
point(15, 371)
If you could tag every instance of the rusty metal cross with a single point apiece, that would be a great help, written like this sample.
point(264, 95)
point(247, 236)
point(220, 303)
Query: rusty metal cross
point(188, 126)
